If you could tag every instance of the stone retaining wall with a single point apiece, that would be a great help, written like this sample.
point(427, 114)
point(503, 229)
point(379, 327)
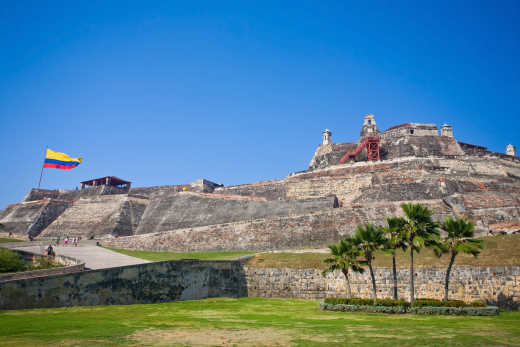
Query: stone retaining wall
point(492, 284)
point(136, 284)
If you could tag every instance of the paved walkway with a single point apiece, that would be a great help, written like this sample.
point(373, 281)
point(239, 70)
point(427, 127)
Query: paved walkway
point(95, 257)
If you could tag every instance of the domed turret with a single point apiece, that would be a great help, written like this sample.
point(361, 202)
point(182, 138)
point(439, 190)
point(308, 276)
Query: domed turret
point(327, 137)
point(369, 127)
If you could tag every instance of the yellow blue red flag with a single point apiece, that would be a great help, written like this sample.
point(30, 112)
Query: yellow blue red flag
point(59, 160)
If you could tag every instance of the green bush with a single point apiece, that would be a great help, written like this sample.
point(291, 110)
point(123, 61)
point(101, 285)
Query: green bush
point(367, 302)
point(477, 303)
point(10, 261)
point(429, 310)
point(438, 303)
point(43, 263)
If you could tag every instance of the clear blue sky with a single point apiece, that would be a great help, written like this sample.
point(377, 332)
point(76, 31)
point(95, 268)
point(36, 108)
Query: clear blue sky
point(167, 92)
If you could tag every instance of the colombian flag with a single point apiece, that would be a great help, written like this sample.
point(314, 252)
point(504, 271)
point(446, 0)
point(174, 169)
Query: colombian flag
point(59, 160)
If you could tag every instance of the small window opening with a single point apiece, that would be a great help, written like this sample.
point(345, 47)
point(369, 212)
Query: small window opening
point(411, 131)
point(369, 121)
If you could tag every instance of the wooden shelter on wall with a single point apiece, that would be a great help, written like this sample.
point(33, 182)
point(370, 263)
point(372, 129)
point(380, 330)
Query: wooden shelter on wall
point(106, 181)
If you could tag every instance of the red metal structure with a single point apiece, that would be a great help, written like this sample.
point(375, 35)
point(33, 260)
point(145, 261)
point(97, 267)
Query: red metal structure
point(371, 143)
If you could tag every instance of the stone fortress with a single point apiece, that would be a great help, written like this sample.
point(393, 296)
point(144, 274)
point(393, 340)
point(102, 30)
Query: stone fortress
point(346, 184)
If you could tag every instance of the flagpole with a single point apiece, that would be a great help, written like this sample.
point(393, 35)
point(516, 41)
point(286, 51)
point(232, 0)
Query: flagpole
point(41, 173)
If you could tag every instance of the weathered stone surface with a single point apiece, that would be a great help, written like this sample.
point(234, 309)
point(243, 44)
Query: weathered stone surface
point(467, 283)
point(29, 218)
point(188, 209)
point(135, 284)
point(99, 216)
point(191, 279)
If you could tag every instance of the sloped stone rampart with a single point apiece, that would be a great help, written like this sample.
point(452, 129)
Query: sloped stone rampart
point(31, 217)
point(99, 216)
point(467, 283)
point(312, 229)
point(186, 209)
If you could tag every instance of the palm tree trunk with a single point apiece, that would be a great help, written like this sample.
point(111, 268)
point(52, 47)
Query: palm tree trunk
point(448, 271)
point(394, 270)
point(374, 289)
point(412, 288)
point(349, 290)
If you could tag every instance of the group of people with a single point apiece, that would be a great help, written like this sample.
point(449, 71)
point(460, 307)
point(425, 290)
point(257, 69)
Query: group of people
point(73, 241)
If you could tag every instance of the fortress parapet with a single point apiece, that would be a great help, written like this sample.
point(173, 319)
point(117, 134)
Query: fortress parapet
point(410, 129)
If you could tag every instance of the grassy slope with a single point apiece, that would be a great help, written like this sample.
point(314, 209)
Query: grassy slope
point(498, 251)
point(247, 321)
point(159, 256)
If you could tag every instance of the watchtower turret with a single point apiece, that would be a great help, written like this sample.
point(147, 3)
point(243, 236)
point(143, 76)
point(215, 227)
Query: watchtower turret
point(447, 130)
point(327, 137)
point(511, 150)
point(369, 127)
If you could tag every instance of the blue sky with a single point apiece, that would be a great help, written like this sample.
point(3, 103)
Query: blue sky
point(167, 92)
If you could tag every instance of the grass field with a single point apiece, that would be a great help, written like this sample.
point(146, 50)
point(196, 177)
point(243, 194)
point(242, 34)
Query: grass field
point(247, 322)
point(498, 251)
point(6, 239)
point(160, 256)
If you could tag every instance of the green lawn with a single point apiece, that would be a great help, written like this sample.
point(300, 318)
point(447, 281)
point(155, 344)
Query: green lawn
point(6, 239)
point(247, 322)
point(160, 256)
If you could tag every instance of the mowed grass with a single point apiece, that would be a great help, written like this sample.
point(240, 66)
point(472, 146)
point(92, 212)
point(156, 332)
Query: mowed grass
point(498, 251)
point(247, 322)
point(160, 256)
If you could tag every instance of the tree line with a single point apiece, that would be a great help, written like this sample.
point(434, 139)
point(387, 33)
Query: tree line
point(411, 233)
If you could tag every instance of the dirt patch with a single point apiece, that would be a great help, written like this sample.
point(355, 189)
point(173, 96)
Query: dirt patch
point(221, 337)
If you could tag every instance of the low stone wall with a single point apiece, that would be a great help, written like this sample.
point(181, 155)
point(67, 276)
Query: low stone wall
point(491, 284)
point(135, 284)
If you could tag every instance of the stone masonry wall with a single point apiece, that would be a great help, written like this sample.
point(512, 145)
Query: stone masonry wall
point(467, 283)
point(187, 209)
point(136, 284)
point(312, 229)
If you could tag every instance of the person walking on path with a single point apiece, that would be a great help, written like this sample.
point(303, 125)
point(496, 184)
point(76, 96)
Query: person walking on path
point(57, 241)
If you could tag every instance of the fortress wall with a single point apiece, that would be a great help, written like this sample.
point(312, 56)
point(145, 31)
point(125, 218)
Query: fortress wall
point(489, 284)
point(40, 194)
point(136, 284)
point(270, 190)
point(98, 216)
point(312, 229)
point(187, 209)
point(151, 191)
point(32, 216)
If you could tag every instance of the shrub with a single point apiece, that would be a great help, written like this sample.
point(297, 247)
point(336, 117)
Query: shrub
point(43, 263)
point(477, 303)
point(10, 261)
point(367, 302)
point(438, 303)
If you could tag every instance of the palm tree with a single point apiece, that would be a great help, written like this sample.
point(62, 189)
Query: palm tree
point(459, 238)
point(419, 231)
point(369, 239)
point(345, 256)
point(394, 240)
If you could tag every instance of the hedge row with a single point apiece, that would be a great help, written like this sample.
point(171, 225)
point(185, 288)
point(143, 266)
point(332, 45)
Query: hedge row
point(367, 302)
point(458, 311)
point(403, 303)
